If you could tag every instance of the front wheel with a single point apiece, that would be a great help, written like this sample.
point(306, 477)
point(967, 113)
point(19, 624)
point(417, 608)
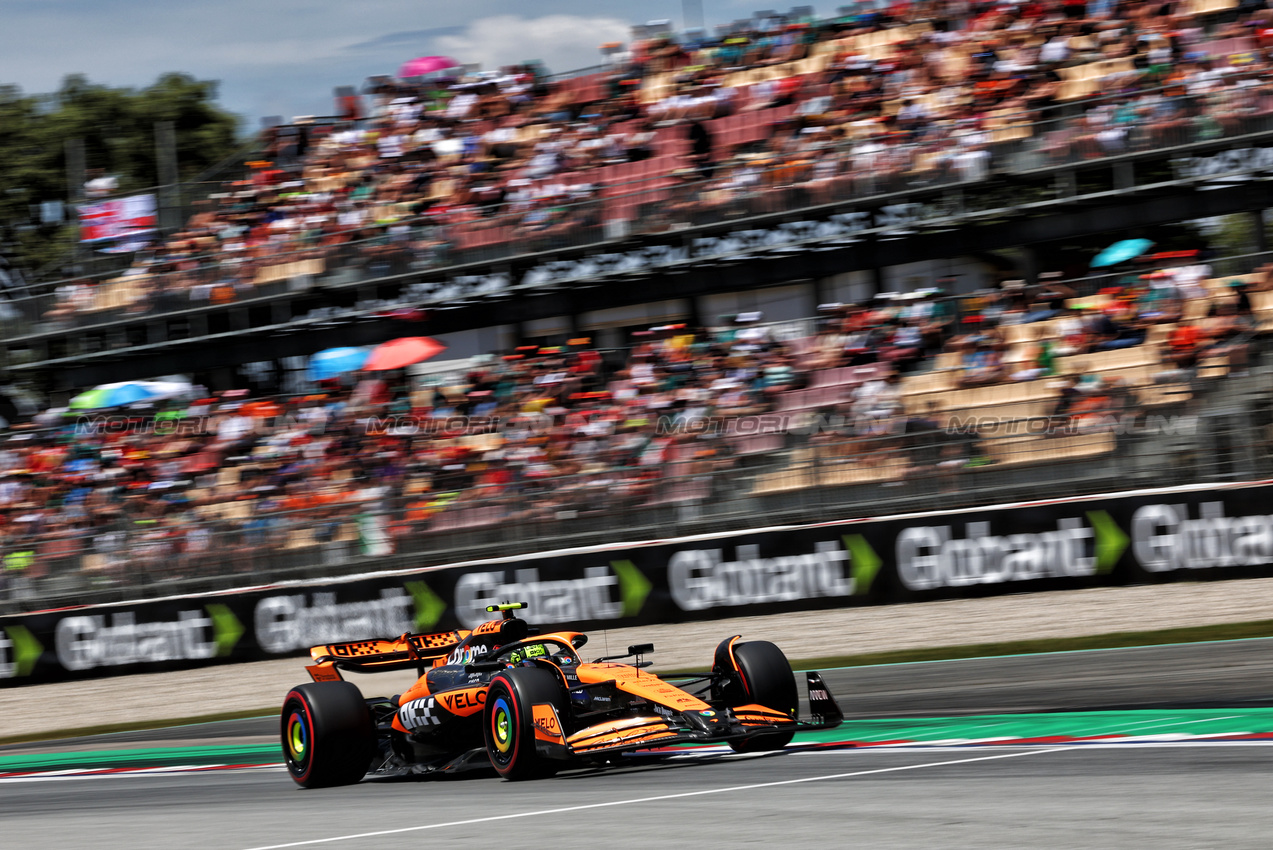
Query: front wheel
point(509, 721)
point(329, 737)
point(759, 674)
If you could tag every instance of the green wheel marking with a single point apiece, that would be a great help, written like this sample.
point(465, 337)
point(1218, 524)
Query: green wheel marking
point(297, 739)
point(503, 730)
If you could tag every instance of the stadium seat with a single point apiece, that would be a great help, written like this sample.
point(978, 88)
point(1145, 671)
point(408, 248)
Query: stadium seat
point(892, 468)
point(783, 481)
point(1156, 395)
point(300, 538)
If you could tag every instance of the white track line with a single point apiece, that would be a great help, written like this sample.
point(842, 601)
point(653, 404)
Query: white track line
point(679, 796)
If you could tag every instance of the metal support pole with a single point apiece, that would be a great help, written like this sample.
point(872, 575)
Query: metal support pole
point(1066, 184)
point(75, 178)
point(1124, 175)
point(74, 170)
point(166, 163)
point(877, 280)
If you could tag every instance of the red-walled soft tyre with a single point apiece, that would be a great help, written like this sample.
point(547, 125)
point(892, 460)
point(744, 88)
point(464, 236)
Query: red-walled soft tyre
point(509, 722)
point(762, 676)
point(328, 735)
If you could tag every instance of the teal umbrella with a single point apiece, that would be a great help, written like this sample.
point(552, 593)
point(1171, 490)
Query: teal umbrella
point(333, 362)
point(110, 395)
point(1121, 252)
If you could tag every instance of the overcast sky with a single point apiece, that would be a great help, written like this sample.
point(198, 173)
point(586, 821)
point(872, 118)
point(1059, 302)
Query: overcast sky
point(284, 57)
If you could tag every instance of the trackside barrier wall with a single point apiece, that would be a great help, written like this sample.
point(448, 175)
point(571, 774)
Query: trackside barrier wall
point(1137, 537)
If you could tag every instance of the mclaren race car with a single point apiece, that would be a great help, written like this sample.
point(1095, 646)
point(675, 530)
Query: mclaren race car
point(504, 696)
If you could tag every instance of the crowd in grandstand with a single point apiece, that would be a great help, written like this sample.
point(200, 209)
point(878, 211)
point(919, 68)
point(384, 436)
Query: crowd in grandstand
point(794, 115)
point(670, 134)
point(542, 434)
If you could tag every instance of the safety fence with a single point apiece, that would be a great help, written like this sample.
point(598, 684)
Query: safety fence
point(248, 522)
point(1215, 531)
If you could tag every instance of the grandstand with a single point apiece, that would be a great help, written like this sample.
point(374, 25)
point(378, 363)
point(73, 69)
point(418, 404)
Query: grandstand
point(497, 166)
point(644, 412)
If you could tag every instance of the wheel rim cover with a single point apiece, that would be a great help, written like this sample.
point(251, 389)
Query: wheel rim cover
point(297, 737)
point(502, 726)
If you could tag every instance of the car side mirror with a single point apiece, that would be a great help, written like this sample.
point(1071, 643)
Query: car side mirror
point(578, 641)
point(641, 649)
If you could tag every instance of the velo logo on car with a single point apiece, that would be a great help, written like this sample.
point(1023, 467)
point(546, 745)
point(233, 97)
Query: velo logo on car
point(463, 703)
point(546, 724)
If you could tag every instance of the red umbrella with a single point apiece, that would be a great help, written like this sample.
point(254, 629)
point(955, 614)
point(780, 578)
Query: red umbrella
point(400, 353)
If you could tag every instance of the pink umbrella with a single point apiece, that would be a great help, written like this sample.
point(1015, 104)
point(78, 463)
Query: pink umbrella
point(426, 65)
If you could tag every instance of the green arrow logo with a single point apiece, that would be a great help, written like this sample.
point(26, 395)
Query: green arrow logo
point(865, 563)
point(26, 649)
point(1110, 541)
point(226, 628)
point(428, 605)
point(633, 586)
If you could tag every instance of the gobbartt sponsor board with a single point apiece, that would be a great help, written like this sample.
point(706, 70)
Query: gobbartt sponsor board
point(1146, 536)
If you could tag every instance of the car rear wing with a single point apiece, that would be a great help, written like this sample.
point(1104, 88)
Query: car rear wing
point(374, 656)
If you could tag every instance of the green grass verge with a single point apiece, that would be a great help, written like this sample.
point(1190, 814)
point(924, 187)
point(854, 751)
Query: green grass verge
point(1112, 640)
point(136, 726)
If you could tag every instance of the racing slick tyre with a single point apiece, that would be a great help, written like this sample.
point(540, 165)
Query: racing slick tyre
point(510, 732)
point(762, 676)
point(329, 737)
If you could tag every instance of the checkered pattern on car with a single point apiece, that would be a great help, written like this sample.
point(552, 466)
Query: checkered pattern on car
point(418, 713)
point(438, 640)
point(354, 649)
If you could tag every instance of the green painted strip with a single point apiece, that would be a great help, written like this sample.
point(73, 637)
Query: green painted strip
point(1219, 634)
point(116, 728)
point(1229, 633)
point(145, 757)
point(1077, 724)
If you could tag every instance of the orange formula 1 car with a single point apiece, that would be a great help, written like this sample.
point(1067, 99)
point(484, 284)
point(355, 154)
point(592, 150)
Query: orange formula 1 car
point(527, 705)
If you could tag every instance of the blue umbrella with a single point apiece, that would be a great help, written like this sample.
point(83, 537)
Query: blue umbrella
point(1120, 252)
point(333, 362)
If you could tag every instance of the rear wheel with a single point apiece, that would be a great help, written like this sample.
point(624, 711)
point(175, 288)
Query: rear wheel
point(328, 735)
point(762, 676)
point(509, 721)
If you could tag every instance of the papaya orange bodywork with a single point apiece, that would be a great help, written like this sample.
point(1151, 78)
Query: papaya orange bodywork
point(644, 685)
point(547, 725)
point(323, 672)
point(622, 731)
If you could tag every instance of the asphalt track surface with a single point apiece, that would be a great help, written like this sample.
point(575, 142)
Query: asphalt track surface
point(1162, 794)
